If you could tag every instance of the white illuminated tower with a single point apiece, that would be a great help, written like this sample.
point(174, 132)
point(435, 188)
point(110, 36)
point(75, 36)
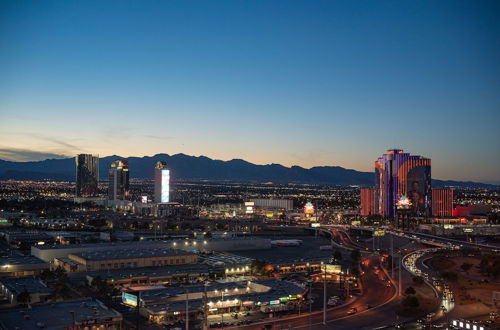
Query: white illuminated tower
point(162, 183)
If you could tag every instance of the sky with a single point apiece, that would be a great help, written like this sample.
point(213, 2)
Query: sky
point(307, 83)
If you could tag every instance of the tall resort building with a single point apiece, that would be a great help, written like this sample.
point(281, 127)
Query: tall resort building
point(399, 175)
point(162, 183)
point(367, 198)
point(87, 175)
point(442, 202)
point(118, 188)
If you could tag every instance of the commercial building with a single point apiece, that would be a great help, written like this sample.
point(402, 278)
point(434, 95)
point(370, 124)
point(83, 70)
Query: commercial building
point(442, 202)
point(127, 258)
point(12, 287)
point(22, 266)
point(87, 175)
point(401, 175)
point(170, 274)
point(272, 203)
point(162, 183)
point(49, 253)
point(76, 314)
point(367, 198)
point(118, 188)
point(169, 305)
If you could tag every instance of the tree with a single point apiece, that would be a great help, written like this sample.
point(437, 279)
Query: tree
point(466, 267)
point(355, 255)
point(418, 280)
point(337, 256)
point(410, 302)
point(410, 290)
point(452, 276)
point(259, 266)
point(24, 297)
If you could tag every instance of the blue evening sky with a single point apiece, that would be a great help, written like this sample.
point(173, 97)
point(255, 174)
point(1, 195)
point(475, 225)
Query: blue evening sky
point(291, 82)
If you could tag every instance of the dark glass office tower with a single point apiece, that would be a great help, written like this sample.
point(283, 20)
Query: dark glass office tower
point(87, 175)
point(118, 180)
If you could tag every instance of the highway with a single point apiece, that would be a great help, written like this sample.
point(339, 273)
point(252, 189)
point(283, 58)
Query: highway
point(377, 292)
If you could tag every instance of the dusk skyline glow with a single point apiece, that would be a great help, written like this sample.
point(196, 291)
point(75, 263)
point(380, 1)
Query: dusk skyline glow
point(292, 82)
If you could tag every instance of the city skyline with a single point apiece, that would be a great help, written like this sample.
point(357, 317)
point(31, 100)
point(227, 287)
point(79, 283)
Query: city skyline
point(308, 84)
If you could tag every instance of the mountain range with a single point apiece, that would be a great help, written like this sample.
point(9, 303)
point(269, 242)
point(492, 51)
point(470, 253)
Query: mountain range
point(191, 168)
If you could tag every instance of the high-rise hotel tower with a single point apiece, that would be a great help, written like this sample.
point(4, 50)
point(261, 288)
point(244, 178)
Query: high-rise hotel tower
point(399, 174)
point(162, 183)
point(118, 187)
point(87, 175)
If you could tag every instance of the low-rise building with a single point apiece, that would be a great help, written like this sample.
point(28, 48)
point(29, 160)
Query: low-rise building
point(130, 258)
point(77, 314)
point(22, 266)
point(14, 288)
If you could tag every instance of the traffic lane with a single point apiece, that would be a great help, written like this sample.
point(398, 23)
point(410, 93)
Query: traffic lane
point(375, 292)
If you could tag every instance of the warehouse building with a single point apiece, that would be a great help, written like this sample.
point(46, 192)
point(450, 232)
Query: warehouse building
point(76, 314)
point(49, 253)
point(125, 258)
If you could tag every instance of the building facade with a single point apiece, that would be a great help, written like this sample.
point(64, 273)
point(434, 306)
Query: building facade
point(162, 183)
point(118, 188)
point(367, 198)
point(399, 174)
point(272, 203)
point(442, 202)
point(87, 175)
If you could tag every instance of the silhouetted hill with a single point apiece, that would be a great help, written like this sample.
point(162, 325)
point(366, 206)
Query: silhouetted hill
point(186, 167)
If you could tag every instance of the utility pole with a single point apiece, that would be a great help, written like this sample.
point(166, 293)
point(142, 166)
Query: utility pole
point(324, 294)
point(310, 303)
point(400, 272)
point(205, 311)
point(392, 256)
point(187, 309)
point(138, 308)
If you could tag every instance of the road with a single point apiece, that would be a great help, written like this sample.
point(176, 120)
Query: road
point(376, 291)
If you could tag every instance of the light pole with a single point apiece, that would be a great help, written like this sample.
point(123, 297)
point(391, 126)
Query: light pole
point(324, 294)
point(310, 303)
point(205, 311)
point(187, 309)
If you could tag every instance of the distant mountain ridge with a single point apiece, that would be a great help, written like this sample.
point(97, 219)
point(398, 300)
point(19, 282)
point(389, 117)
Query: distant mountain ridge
point(186, 167)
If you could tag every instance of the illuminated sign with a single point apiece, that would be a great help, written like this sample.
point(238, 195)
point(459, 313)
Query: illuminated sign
point(403, 202)
point(129, 299)
point(379, 233)
point(4, 220)
point(144, 199)
point(468, 230)
point(274, 302)
point(355, 222)
point(309, 208)
point(332, 269)
point(315, 224)
point(165, 186)
point(448, 226)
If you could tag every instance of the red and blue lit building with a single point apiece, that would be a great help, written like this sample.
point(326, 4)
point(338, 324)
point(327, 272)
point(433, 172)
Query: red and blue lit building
point(399, 174)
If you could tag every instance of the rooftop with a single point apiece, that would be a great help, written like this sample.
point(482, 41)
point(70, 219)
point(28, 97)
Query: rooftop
point(17, 285)
point(118, 274)
point(130, 253)
point(26, 260)
point(58, 315)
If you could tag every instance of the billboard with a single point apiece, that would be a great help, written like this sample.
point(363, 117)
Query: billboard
point(379, 233)
point(129, 299)
point(165, 186)
point(418, 190)
point(333, 269)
